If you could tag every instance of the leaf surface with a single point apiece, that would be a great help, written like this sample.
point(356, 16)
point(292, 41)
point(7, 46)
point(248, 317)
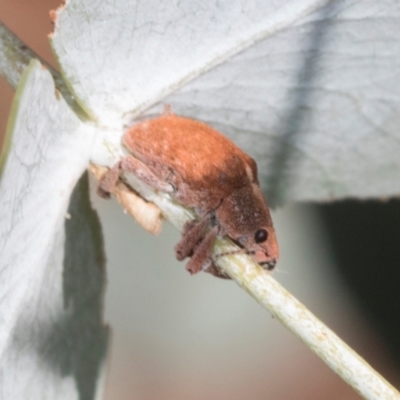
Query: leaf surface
point(309, 89)
point(52, 340)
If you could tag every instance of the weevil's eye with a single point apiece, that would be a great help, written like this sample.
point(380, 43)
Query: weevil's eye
point(261, 236)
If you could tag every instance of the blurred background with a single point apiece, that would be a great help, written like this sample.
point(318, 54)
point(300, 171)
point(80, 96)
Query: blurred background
point(181, 337)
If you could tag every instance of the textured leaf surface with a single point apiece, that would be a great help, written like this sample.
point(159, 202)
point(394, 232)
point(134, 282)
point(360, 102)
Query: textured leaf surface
point(52, 341)
point(310, 89)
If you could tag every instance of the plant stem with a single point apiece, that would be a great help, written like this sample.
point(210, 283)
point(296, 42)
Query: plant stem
point(321, 340)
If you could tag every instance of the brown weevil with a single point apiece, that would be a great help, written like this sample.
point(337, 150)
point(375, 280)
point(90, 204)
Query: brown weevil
point(205, 171)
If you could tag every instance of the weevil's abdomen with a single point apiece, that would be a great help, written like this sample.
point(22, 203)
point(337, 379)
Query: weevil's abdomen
point(203, 165)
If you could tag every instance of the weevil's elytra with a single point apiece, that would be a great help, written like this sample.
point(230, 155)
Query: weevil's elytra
point(205, 171)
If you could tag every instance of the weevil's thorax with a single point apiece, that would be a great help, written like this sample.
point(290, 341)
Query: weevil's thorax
point(245, 218)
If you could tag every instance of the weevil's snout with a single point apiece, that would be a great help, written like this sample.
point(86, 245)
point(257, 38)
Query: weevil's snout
point(264, 259)
point(265, 252)
point(244, 217)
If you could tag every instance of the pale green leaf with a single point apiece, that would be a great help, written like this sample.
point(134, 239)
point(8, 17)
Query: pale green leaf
point(310, 89)
point(52, 339)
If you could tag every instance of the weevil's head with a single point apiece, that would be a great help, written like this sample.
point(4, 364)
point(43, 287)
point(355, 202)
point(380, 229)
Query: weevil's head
point(245, 218)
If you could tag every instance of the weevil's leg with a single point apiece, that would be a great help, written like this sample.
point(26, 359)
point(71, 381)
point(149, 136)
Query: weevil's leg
point(142, 171)
point(136, 167)
point(192, 234)
point(201, 255)
point(109, 180)
point(214, 270)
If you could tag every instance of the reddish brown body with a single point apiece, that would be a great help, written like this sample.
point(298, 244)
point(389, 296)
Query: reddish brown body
point(206, 171)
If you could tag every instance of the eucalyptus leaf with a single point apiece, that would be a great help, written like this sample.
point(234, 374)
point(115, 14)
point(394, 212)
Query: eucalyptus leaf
point(310, 89)
point(52, 339)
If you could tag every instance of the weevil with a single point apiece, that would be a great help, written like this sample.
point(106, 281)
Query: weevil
point(203, 170)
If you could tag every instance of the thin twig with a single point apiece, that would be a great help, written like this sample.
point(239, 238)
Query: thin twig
point(306, 326)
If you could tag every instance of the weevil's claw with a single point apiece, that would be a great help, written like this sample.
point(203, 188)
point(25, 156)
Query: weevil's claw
point(214, 270)
point(102, 193)
point(109, 181)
